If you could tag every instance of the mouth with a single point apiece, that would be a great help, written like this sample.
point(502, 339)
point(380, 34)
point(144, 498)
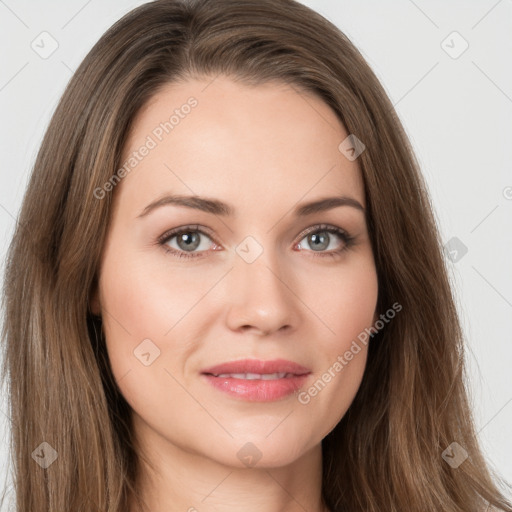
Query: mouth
point(257, 367)
point(254, 376)
point(256, 380)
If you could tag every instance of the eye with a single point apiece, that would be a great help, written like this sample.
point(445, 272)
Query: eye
point(192, 241)
point(186, 242)
point(322, 240)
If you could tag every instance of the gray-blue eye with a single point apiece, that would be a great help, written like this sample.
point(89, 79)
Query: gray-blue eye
point(320, 240)
point(189, 241)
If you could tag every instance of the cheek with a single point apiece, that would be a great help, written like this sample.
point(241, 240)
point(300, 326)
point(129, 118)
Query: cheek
point(344, 300)
point(134, 311)
point(139, 312)
point(142, 300)
point(148, 300)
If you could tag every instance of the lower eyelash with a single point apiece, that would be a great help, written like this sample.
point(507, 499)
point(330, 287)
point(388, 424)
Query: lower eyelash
point(347, 239)
point(181, 254)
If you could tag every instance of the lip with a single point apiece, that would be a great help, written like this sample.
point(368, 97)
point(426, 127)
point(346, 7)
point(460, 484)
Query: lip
point(257, 390)
point(258, 366)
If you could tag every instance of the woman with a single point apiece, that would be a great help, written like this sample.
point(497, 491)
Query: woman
point(226, 289)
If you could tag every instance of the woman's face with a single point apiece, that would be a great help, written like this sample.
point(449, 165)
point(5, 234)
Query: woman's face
point(241, 270)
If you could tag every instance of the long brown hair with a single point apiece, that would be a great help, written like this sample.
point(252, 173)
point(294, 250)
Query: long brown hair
point(385, 455)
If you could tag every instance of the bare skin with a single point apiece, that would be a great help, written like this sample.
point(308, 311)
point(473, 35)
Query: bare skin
point(263, 150)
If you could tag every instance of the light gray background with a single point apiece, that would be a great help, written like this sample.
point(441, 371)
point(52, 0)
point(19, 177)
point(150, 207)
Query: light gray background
point(456, 111)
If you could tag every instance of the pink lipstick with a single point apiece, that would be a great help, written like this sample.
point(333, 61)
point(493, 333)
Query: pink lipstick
point(256, 380)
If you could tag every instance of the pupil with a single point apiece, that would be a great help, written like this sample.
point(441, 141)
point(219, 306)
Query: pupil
point(323, 239)
point(190, 241)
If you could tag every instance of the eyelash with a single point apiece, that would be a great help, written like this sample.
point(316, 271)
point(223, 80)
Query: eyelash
point(347, 239)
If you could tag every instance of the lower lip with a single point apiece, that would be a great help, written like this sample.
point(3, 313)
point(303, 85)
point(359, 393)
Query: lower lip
point(257, 390)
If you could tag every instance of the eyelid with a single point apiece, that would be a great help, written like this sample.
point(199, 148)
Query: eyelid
point(321, 227)
point(189, 227)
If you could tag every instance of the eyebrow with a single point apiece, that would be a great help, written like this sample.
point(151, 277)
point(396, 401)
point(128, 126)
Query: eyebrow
point(210, 205)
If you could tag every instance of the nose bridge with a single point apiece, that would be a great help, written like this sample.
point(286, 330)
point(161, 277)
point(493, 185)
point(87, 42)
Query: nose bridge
point(259, 294)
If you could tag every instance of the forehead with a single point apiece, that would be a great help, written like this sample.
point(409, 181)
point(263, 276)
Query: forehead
point(225, 139)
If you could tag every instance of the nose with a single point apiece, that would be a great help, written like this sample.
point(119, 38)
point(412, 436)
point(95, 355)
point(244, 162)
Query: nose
point(261, 298)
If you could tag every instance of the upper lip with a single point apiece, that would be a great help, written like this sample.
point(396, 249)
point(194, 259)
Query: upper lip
point(258, 366)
